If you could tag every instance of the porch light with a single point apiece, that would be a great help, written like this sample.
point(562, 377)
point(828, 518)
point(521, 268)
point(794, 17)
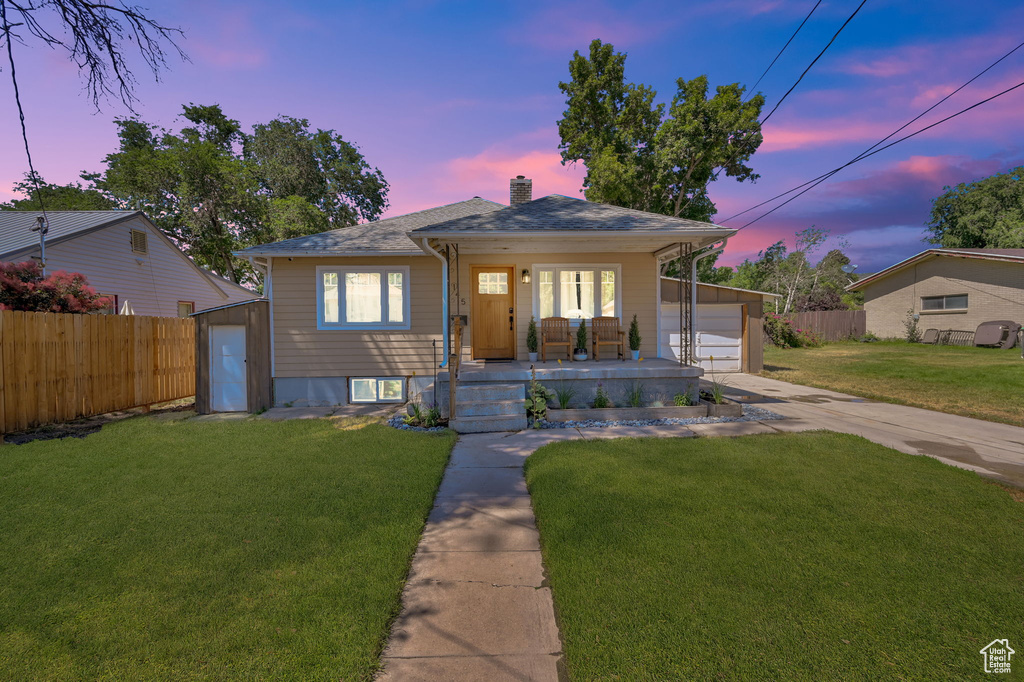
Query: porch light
point(526, 276)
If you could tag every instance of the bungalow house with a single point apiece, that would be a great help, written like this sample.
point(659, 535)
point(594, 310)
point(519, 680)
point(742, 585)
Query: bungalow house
point(379, 312)
point(947, 289)
point(123, 256)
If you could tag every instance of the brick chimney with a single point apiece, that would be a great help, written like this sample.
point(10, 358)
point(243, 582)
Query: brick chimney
point(520, 190)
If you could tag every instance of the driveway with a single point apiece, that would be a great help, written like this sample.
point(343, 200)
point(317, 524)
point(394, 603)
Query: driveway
point(991, 449)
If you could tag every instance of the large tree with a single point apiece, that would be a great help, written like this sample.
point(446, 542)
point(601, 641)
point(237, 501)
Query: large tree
point(638, 156)
point(988, 213)
point(214, 188)
point(70, 197)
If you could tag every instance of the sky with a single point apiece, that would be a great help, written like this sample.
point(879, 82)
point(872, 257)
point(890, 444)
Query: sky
point(452, 99)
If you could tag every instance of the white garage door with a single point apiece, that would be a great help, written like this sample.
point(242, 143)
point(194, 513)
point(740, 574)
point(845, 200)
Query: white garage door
point(227, 368)
point(719, 334)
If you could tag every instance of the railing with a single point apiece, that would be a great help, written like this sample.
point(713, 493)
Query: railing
point(58, 367)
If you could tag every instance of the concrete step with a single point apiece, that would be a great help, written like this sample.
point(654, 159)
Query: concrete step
point(477, 393)
point(485, 408)
point(488, 424)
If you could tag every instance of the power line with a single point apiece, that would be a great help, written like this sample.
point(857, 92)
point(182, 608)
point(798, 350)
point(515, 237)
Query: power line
point(813, 62)
point(866, 151)
point(785, 46)
point(21, 113)
point(822, 179)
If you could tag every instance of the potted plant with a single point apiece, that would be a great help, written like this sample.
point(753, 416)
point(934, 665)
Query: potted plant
point(634, 339)
point(531, 339)
point(580, 353)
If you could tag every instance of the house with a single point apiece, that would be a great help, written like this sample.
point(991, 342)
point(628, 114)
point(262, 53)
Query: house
point(729, 323)
point(370, 313)
point(123, 256)
point(947, 288)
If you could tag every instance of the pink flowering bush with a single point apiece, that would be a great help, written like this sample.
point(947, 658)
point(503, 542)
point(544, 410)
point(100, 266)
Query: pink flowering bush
point(23, 287)
point(782, 333)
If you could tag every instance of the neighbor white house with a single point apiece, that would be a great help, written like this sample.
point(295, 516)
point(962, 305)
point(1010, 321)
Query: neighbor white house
point(124, 256)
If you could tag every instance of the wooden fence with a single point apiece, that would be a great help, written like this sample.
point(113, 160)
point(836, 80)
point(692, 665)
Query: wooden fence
point(57, 367)
point(833, 325)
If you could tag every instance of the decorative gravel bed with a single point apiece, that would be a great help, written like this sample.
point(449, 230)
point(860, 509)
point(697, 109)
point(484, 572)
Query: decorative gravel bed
point(750, 414)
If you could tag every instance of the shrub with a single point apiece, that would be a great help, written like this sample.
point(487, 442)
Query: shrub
point(783, 333)
point(581, 336)
point(531, 336)
point(23, 287)
point(601, 399)
point(634, 335)
point(910, 324)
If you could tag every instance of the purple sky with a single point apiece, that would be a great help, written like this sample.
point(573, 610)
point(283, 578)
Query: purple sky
point(452, 99)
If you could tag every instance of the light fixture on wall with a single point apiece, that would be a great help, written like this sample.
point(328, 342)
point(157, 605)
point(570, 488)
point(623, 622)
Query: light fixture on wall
point(526, 276)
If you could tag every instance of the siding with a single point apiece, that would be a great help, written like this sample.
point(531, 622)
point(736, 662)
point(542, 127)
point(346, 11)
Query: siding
point(153, 287)
point(301, 350)
point(995, 291)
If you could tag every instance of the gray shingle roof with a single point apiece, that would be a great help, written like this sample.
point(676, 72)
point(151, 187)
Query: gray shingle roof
point(389, 235)
point(16, 226)
point(557, 213)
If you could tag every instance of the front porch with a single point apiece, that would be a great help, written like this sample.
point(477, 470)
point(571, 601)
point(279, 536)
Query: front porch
point(658, 381)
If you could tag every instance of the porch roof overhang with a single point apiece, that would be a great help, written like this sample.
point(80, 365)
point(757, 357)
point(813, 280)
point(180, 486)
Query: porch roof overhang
point(663, 244)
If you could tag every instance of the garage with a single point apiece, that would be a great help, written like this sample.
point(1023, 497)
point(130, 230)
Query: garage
point(728, 326)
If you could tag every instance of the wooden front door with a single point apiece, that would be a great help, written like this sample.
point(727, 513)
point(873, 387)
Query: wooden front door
point(492, 325)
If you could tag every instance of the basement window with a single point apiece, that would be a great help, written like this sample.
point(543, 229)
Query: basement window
point(376, 390)
point(932, 304)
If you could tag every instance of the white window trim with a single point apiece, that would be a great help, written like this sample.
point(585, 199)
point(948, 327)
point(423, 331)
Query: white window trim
point(535, 284)
point(383, 325)
point(353, 401)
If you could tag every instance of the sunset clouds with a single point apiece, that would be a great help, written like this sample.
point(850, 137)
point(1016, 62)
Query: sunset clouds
point(451, 100)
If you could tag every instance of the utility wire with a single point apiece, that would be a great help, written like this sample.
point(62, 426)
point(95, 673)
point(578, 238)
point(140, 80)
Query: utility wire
point(785, 46)
point(882, 141)
point(21, 113)
point(881, 149)
point(813, 62)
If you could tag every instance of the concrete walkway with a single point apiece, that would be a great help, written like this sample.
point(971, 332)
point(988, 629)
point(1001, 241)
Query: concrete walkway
point(991, 449)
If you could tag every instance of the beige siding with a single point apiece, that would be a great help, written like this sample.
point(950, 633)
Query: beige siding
point(995, 291)
point(301, 350)
point(152, 287)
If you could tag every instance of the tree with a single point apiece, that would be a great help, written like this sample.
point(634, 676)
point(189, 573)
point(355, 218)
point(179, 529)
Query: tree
point(213, 188)
point(24, 287)
point(638, 158)
point(69, 197)
point(984, 214)
point(93, 34)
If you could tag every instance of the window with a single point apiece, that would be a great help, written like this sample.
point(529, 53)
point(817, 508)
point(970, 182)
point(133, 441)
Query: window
point(363, 298)
point(111, 308)
point(492, 283)
point(938, 303)
point(376, 390)
point(577, 292)
point(186, 308)
point(140, 241)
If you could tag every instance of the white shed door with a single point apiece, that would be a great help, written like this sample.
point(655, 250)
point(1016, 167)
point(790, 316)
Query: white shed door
point(227, 368)
point(719, 334)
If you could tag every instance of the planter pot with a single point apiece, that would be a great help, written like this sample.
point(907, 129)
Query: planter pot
point(623, 413)
point(533, 357)
point(578, 356)
point(729, 408)
point(634, 354)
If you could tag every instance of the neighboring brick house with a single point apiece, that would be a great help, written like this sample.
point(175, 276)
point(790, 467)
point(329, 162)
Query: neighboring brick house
point(948, 288)
point(124, 256)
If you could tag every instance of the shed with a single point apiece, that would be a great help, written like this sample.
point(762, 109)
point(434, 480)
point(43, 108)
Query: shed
point(729, 323)
point(233, 358)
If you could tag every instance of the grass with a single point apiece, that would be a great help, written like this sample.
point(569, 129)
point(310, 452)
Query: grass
point(236, 550)
point(985, 383)
point(814, 556)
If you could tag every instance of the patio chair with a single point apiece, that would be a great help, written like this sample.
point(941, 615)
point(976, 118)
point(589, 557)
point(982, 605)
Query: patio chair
point(554, 331)
point(605, 331)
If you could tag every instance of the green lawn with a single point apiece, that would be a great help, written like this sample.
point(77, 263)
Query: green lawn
point(985, 383)
point(815, 556)
point(238, 550)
